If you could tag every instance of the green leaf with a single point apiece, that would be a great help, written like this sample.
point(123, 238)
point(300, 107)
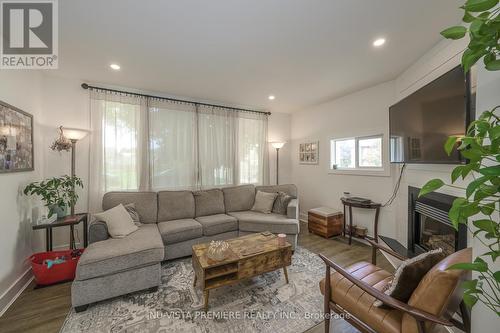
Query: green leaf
point(473, 185)
point(488, 209)
point(455, 212)
point(493, 254)
point(493, 65)
point(470, 57)
point(496, 275)
point(490, 171)
point(485, 225)
point(468, 17)
point(485, 191)
point(456, 32)
point(469, 300)
point(475, 27)
point(449, 144)
point(472, 155)
point(469, 210)
point(470, 284)
point(471, 266)
point(479, 5)
point(431, 186)
point(494, 132)
point(457, 172)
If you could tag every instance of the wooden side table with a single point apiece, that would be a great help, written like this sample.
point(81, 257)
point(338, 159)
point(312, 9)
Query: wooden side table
point(70, 221)
point(365, 205)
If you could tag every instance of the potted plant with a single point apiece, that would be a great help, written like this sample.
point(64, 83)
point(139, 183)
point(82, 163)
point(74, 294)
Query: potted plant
point(481, 147)
point(57, 193)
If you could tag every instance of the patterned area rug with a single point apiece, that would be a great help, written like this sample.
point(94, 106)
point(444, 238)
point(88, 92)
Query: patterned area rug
point(262, 304)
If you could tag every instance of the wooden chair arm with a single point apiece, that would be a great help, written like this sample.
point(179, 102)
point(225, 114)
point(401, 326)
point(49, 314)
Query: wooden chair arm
point(376, 246)
point(418, 314)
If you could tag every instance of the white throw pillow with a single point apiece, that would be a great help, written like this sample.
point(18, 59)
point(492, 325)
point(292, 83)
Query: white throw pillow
point(264, 202)
point(118, 220)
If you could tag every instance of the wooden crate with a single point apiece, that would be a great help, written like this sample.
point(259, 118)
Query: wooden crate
point(325, 222)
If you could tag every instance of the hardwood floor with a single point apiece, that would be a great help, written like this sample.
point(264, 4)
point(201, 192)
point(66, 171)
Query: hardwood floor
point(44, 309)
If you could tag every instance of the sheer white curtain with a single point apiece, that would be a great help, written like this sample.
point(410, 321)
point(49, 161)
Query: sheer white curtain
point(140, 143)
point(253, 157)
point(118, 158)
point(217, 145)
point(172, 145)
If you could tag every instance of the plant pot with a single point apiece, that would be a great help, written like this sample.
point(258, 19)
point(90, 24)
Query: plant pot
point(60, 212)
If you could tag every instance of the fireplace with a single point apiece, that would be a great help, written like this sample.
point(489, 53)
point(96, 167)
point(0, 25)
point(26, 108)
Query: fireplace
point(429, 226)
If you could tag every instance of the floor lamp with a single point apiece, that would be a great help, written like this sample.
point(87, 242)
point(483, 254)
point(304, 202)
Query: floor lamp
point(277, 146)
point(73, 135)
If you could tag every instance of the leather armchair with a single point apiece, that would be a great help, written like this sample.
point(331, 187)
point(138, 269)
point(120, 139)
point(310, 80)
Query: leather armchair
point(351, 291)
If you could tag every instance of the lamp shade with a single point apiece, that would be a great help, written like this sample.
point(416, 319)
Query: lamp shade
point(74, 133)
point(277, 145)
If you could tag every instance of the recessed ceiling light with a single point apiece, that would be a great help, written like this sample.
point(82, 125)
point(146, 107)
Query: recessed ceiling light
point(115, 67)
point(379, 42)
point(271, 97)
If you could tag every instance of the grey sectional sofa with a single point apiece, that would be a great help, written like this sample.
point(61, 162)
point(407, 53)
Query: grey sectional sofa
point(171, 223)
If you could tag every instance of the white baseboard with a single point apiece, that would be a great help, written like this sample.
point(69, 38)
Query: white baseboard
point(13, 292)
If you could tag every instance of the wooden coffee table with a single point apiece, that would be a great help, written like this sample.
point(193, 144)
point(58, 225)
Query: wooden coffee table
point(248, 256)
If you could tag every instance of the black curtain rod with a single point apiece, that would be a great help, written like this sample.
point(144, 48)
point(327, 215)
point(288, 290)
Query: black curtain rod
point(86, 86)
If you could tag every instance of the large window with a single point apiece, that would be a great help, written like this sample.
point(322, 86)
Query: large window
point(154, 144)
point(358, 153)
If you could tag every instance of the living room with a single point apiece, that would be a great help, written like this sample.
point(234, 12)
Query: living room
point(242, 140)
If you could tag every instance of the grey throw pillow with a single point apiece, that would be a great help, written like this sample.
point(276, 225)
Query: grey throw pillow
point(130, 208)
point(264, 202)
point(281, 203)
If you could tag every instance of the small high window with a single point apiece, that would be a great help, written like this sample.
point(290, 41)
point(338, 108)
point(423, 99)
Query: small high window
point(358, 153)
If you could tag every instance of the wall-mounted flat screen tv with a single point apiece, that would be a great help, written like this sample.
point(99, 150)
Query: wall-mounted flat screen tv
point(421, 123)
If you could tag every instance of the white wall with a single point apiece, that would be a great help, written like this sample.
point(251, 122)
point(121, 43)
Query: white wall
point(361, 113)
point(21, 89)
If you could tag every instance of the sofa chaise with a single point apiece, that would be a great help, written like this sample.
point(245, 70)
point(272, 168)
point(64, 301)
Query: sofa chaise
point(171, 223)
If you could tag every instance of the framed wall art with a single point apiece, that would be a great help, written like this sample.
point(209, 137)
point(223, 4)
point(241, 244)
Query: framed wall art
point(309, 153)
point(16, 140)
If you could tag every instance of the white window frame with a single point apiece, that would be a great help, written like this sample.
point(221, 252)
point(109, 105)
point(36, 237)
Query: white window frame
point(384, 170)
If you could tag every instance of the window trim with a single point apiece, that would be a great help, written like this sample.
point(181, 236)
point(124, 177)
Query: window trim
point(384, 170)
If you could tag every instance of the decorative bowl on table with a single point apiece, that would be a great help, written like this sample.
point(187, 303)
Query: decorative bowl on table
point(218, 250)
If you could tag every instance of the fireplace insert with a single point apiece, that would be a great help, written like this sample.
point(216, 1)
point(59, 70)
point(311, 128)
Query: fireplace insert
point(429, 226)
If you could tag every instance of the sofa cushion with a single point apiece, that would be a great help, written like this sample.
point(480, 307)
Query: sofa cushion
point(289, 189)
point(146, 203)
point(217, 224)
point(258, 222)
point(209, 202)
point(175, 205)
point(114, 255)
point(239, 198)
point(176, 231)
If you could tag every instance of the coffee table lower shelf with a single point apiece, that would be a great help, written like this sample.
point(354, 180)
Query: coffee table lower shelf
point(237, 267)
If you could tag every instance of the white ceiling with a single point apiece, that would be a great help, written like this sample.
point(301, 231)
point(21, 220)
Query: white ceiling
point(239, 51)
